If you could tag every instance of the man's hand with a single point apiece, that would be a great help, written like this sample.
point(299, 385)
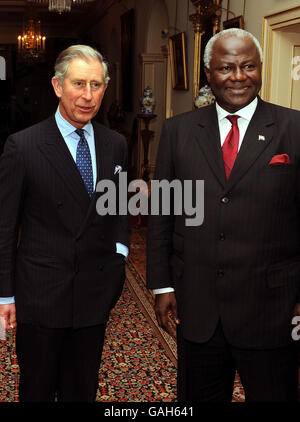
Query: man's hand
point(8, 316)
point(165, 303)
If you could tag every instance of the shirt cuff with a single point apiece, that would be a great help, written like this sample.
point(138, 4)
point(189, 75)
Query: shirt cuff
point(122, 249)
point(7, 300)
point(164, 290)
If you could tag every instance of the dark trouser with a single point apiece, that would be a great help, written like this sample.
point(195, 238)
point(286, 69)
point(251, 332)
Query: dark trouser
point(206, 371)
point(60, 362)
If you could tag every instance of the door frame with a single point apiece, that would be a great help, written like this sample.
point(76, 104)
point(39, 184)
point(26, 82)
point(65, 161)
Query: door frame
point(271, 25)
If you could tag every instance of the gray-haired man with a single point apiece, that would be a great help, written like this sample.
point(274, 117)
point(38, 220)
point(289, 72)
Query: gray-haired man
point(59, 285)
point(235, 280)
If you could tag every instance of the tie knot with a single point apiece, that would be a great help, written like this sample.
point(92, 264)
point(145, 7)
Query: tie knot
point(80, 132)
point(233, 119)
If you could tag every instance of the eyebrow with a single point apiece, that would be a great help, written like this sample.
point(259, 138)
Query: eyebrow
point(224, 61)
point(85, 81)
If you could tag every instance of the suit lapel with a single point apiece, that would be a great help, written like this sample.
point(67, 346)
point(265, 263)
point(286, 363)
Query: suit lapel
point(57, 153)
point(208, 139)
point(104, 153)
point(258, 136)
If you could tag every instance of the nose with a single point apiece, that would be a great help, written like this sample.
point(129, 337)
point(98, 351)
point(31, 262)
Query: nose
point(87, 92)
point(238, 74)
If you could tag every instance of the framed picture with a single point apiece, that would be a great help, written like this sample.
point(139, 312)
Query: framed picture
point(177, 44)
point(237, 22)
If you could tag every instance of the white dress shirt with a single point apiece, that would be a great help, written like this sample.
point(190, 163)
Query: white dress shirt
point(246, 115)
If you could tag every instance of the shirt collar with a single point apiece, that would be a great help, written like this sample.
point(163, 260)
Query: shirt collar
point(66, 128)
point(246, 112)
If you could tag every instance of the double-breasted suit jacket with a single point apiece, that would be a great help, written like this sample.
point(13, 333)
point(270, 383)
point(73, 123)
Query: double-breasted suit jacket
point(242, 265)
point(65, 272)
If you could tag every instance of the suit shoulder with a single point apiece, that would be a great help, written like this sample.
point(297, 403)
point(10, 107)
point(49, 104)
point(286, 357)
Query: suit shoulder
point(282, 112)
point(31, 136)
point(33, 130)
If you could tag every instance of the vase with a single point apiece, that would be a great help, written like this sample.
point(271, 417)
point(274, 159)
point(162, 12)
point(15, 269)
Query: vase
point(147, 101)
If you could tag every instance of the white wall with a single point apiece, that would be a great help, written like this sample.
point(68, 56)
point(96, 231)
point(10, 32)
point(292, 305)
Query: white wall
point(255, 10)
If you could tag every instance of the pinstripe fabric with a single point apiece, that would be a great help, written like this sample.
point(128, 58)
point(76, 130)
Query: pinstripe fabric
point(242, 265)
point(66, 258)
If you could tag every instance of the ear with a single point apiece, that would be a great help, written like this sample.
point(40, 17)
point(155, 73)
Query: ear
point(207, 73)
point(57, 87)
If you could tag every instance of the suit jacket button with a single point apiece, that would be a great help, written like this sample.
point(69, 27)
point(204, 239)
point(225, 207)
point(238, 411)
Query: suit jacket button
point(225, 200)
point(59, 204)
point(220, 273)
point(222, 236)
point(101, 267)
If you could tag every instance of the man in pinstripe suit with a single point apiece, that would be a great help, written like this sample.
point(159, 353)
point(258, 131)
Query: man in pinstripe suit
point(233, 283)
point(59, 285)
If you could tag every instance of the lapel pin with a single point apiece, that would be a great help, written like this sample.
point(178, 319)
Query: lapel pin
point(261, 138)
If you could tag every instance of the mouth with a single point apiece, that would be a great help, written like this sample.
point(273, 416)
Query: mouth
point(238, 91)
point(85, 109)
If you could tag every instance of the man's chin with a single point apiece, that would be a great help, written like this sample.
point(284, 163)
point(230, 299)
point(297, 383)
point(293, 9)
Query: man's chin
point(84, 118)
point(237, 102)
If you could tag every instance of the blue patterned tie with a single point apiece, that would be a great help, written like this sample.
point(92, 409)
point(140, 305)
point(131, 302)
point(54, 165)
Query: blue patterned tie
point(84, 162)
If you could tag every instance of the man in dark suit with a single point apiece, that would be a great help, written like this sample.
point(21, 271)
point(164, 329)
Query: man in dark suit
point(60, 284)
point(232, 283)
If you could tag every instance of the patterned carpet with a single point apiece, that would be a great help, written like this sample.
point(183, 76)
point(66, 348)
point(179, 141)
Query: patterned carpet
point(135, 366)
point(139, 359)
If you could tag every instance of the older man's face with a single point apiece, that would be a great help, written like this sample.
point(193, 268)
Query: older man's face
point(235, 72)
point(82, 91)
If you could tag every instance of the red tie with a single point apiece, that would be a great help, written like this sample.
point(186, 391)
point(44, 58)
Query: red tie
point(231, 145)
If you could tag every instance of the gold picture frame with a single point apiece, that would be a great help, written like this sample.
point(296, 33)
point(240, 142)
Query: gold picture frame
point(178, 56)
point(237, 22)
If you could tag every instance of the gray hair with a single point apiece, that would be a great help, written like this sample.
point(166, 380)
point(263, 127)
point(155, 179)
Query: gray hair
point(241, 33)
point(78, 51)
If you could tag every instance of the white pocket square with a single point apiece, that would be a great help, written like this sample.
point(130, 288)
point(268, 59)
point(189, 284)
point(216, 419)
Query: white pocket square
point(118, 169)
point(261, 138)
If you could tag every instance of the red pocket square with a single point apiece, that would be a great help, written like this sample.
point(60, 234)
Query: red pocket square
point(280, 159)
